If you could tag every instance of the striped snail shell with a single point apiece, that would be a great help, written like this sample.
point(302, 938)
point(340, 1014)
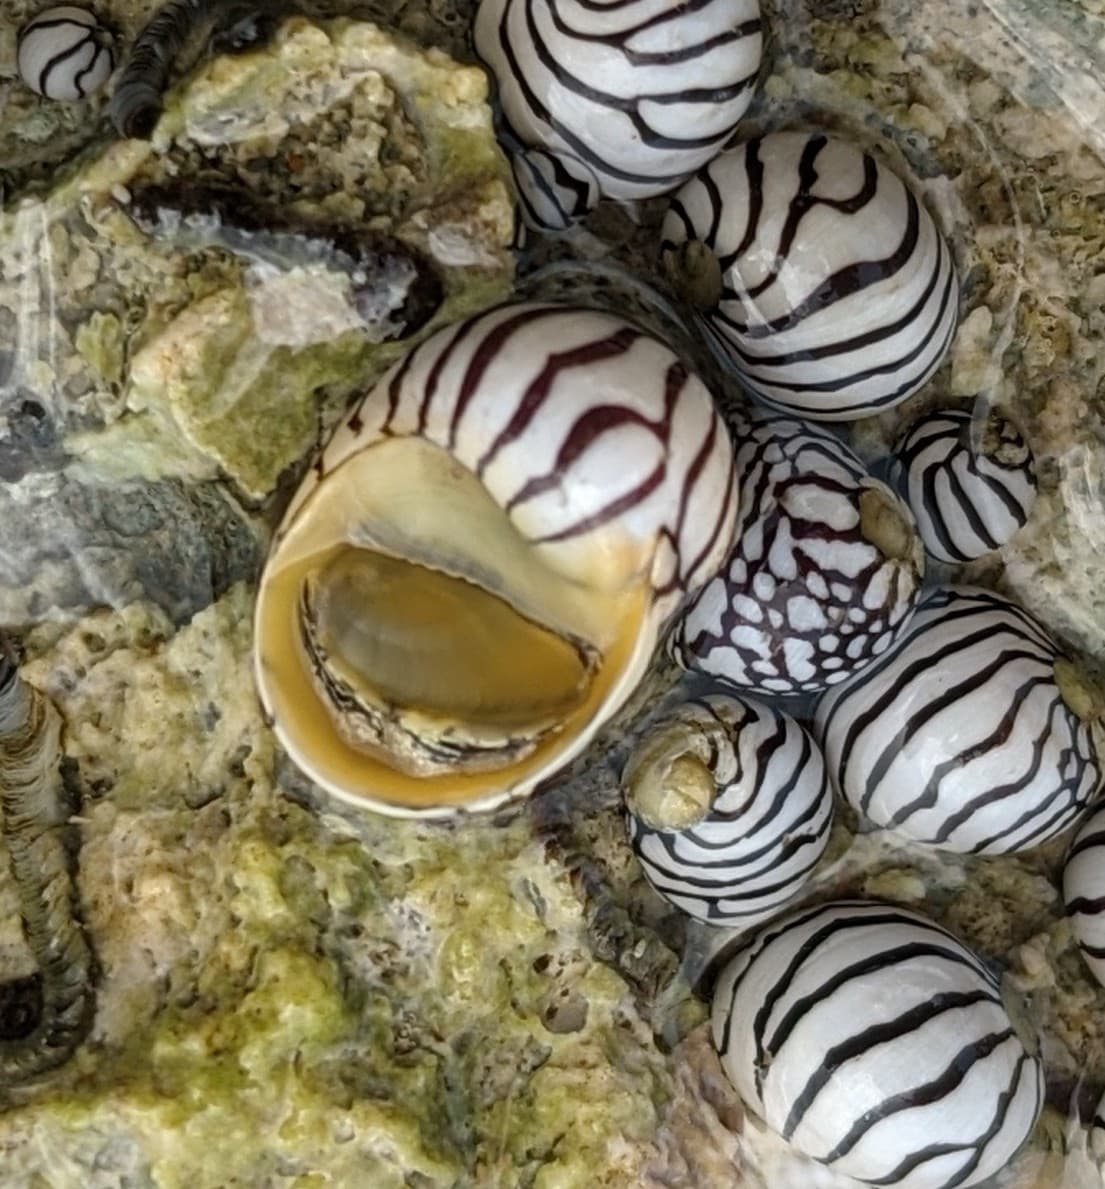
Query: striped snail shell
point(729, 808)
point(819, 274)
point(640, 92)
point(1097, 1131)
point(64, 53)
point(474, 575)
point(874, 1041)
point(554, 191)
point(975, 734)
point(971, 482)
point(1084, 891)
point(824, 569)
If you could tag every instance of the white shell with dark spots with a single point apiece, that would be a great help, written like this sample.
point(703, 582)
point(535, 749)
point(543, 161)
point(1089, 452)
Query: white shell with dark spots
point(640, 92)
point(961, 738)
point(874, 1041)
point(1084, 892)
point(768, 824)
point(64, 53)
point(805, 599)
point(838, 293)
point(971, 482)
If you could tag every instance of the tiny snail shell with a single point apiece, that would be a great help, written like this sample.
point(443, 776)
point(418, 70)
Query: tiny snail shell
point(971, 482)
point(728, 807)
point(874, 1041)
point(974, 734)
point(64, 53)
point(1084, 891)
point(474, 575)
point(640, 92)
point(554, 191)
point(819, 274)
point(824, 570)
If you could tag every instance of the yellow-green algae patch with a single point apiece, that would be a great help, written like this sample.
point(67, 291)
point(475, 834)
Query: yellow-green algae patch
point(196, 364)
point(293, 998)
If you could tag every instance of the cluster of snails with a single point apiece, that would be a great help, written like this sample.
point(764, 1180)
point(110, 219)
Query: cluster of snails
point(487, 553)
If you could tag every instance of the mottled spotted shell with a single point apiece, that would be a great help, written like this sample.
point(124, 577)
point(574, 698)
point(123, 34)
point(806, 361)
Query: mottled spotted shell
point(639, 92)
point(497, 534)
point(877, 1043)
point(729, 808)
point(974, 734)
point(971, 482)
point(825, 568)
point(64, 53)
point(819, 274)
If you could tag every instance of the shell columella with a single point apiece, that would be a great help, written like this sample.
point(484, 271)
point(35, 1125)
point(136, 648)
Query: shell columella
point(824, 569)
point(819, 273)
point(639, 92)
point(971, 482)
point(971, 735)
point(64, 53)
point(874, 1041)
point(579, 478)
point(761, 802)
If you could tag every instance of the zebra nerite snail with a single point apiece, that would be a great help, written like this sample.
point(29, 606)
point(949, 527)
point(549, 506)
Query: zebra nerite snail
point(970, 482)
point(64, 53)
point(474, 575)
point(637, 94)
point(1084, 891)
point(818, 273)
point(877, 1043)
point(974, 734)
point(729, 808)
point(825, 568)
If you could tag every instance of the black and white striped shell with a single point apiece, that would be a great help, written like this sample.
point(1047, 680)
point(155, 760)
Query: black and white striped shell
point(970, 481)
point(975, 734)
point(640, 92)
point(824, 570)
point(876, 1042)
point(728, 807)
point(64, 53)
point(554, 191)
point(1084, 891)
point(474, 575)
point(820, 275)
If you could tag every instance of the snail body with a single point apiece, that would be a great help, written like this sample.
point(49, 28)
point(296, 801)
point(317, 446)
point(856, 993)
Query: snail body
point(874, 1041)
point(824, 570)
point(64, 53)
point(474, 575)
point(818, 273)
point(728, 807)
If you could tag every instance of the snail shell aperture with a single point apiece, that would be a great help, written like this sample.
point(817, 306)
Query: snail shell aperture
point(474, 575)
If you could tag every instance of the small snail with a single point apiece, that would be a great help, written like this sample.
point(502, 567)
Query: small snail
point(970, 482)
point(874, 1041)
point(64, 53)
point(729, 808)
point(475, 574)
point(1084, 891)
point(818, 274)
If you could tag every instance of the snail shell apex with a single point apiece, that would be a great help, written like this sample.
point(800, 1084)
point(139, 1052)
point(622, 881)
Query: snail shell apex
point(64, 53)
point(491, 542)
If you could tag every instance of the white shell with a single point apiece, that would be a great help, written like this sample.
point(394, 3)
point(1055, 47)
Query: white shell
point(1097, 1132)
point(606, 454)
point(960, 737)
point(839, 295)
point(64, 53)
point(970, 481)
point(642, 92)
point(804, 600)
point(553, 190)
point(768, 824)
point(1084, 892)
point(876, 1042)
